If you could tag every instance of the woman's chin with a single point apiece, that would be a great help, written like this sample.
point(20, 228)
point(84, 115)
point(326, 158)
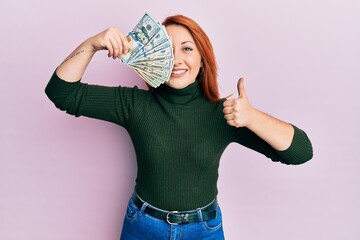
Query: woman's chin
point(177, 83)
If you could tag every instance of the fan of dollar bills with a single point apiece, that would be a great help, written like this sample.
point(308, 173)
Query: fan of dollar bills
point(150, 51)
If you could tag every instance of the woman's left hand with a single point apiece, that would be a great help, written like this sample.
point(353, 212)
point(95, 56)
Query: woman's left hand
point(238, 111)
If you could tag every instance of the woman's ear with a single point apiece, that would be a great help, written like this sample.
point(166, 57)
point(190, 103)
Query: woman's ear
point(201, 70)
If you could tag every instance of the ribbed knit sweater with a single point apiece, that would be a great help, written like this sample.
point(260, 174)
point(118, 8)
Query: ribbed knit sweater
point(178, 136)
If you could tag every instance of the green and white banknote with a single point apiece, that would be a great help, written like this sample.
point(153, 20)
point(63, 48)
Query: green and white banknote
point(151, 51)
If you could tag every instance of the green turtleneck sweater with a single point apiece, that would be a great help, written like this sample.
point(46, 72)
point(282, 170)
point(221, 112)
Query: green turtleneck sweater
point(178, 136)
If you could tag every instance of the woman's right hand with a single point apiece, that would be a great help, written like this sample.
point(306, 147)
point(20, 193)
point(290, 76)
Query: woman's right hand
point(112, 40)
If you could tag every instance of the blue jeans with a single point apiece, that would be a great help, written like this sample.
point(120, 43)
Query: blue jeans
point(141, 226)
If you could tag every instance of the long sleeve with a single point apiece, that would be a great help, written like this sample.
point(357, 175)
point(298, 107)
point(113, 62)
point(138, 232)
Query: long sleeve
point(299, 151)
point(113, 104)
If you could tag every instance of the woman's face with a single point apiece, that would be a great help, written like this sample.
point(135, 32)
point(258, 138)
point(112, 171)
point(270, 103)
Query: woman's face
point(187, 57)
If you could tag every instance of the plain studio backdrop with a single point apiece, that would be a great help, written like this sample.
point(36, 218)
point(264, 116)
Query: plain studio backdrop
point(67, 178)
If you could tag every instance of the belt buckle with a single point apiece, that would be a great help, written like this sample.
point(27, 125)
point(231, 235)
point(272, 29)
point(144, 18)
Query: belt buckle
point(167, 218)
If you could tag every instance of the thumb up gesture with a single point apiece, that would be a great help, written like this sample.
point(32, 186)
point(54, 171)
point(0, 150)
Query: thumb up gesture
point(237, 111)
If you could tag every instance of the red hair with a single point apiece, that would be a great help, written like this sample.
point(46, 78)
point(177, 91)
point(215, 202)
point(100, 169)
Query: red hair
point(208, 72)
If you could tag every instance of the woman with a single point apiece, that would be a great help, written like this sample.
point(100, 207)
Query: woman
point(179, 131)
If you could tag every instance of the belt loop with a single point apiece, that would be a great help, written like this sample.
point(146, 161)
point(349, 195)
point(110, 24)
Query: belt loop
point(145, 204)
point(199, 213)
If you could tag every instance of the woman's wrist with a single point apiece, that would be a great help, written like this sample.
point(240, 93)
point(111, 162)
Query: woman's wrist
point(253, 117)
point(89, 46)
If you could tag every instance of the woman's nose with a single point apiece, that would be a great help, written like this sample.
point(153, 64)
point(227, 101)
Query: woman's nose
point(177, 58)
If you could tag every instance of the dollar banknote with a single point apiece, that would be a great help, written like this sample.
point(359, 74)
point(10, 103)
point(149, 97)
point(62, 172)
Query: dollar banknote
point(159, 41)
point(144, 30)
point(151, 80)
point(150, 51)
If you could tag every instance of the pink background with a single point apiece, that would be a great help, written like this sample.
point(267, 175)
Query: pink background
point(67, 178)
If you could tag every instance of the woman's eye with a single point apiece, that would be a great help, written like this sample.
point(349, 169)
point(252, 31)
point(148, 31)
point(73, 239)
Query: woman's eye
point(187, 49)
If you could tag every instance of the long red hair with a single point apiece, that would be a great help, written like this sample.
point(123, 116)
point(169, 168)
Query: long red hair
point(209, 69)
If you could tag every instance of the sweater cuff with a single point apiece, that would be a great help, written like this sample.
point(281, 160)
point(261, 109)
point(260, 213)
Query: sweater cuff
point(300, 149)
point(57, 86)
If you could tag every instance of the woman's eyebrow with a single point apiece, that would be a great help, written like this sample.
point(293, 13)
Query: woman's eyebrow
point(187, 42)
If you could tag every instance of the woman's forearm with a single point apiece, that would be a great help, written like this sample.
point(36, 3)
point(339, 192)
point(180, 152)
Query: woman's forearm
point(239, 113)
point(74, 66)
point(275, 132)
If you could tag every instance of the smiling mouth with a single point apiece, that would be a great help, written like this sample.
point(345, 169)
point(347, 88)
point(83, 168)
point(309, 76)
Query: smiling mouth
point(179, 71)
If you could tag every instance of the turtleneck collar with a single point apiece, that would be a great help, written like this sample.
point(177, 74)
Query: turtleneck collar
point(185, 96)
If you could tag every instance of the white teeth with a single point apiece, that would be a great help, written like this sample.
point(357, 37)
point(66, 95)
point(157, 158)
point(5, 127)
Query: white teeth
point(178, 71)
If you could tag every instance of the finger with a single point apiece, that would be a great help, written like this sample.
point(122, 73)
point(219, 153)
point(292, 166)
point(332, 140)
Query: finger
point(109, 47)
point(116, 47)
point(125, 43)
point(228, 110)
point(117, 37)
point(231, 123)
point(229, 102)
point(236, 107)
point(229, 117)
point(241, 88)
